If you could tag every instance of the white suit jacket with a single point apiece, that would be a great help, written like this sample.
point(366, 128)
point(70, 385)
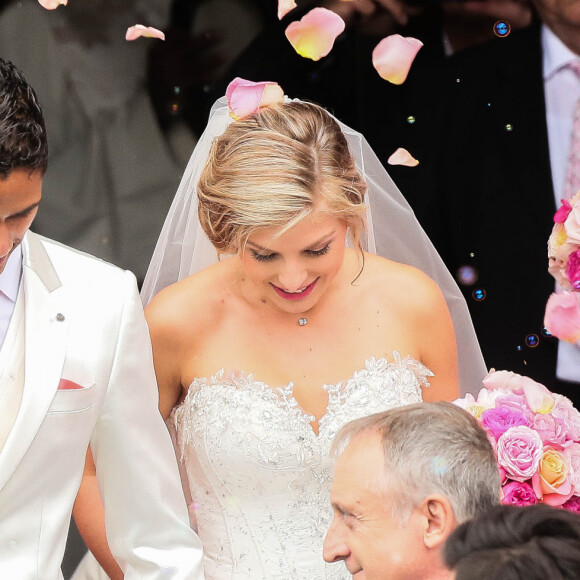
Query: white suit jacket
point(84, 323)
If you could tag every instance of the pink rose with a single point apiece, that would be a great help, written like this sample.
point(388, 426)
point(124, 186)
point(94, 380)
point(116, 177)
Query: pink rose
point(516, 402)
point(503, 380)
point(557, 269)
point(487, 397)
point(572, 454)
point(562, 317)
point(573, 269)
point(497, 421)
point(465, 402)
point(556, 239)
point(563, 251)
point(572, 224)
point(538, 397)
point(573, 504)
point(519, 451)
point(518, 493)
point(563, 409)
point(551, 429)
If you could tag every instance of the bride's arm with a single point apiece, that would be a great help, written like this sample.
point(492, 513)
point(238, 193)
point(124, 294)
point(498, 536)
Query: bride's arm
point(89, 517)
point(437, 345)
point(163, 318)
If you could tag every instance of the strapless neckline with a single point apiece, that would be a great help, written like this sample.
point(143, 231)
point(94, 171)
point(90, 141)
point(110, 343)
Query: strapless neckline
point(260, 476)
point(284, 395)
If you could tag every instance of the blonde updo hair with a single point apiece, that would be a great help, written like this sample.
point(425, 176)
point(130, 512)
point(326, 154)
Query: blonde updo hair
point(273, 169)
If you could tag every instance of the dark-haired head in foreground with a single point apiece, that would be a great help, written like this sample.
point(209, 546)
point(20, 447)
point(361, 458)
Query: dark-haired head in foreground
point(23, 142)
point(516, 543)
point(23, 158)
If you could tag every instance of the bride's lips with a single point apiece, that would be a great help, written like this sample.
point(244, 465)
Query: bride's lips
point(306, 291)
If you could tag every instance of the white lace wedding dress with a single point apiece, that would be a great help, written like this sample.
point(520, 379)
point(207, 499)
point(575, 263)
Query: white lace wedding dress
point(260, 477)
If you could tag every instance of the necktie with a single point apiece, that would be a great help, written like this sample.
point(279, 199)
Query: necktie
point(572, 182)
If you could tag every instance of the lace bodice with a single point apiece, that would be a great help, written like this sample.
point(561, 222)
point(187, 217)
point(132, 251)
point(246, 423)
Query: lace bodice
point(260, 476)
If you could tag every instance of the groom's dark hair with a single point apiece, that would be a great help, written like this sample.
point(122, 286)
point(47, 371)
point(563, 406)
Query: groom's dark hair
point(23, 141)
point(536, 542)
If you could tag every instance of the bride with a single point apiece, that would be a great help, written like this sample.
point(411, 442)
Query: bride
point(262, 356)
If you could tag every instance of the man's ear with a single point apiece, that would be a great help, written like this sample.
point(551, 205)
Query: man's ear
point(439, 520)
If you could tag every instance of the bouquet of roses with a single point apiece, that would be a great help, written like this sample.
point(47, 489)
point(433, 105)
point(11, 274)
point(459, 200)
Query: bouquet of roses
point(562, 318)
point(536, 437)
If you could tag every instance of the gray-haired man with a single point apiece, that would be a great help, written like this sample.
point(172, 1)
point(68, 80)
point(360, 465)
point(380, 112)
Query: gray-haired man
point(404, 479)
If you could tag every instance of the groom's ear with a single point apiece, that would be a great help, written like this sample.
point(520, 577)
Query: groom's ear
point(438, 520)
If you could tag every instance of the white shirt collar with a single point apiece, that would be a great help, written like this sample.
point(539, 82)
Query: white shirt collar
point(10, 277)
point(556, 54)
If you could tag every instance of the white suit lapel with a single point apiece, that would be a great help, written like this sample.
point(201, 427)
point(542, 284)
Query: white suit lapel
point(45, 326)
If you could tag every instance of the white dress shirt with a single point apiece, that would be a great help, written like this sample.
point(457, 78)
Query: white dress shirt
point(562, 90)
point(9, 284)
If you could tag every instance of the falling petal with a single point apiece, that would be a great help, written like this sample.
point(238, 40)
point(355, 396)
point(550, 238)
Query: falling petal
point(313, 36)
point(52, 4)
point(246, 97)
point(284, 6)
point(402, 157)
point(562, 318)
point(393, 57)
point(134, 32)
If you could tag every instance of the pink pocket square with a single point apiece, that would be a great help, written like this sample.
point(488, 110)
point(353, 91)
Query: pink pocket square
point(65, 385)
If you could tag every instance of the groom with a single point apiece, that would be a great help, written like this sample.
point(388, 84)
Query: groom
point(75, 368)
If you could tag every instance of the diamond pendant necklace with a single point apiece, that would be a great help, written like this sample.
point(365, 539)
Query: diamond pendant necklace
point(302, 321)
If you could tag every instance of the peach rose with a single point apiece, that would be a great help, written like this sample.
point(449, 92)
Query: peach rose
point(551, 480)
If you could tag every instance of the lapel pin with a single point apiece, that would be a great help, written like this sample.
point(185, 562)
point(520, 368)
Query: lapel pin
point(60, 317)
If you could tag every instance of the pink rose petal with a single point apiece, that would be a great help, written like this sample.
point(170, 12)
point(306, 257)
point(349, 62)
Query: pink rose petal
point(562, 317)
point(402, 157)
point(313, 36)
point(284, 6)
point(246, 97)
point(134, 32)
point(563, 211)
point(393, 57)
point(52, 4)
point(538, 397)
point(503, 380)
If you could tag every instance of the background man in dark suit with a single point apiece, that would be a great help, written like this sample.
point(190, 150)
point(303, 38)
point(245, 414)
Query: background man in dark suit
point(500, 136)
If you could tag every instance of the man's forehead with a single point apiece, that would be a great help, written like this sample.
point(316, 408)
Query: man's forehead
point(359, 469)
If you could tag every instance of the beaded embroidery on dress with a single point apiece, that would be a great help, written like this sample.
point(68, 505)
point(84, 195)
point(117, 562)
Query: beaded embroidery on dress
point(260, 476)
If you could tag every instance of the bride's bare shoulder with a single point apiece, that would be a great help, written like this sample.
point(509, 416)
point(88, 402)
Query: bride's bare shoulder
point(194, 302)
point(399, 283)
